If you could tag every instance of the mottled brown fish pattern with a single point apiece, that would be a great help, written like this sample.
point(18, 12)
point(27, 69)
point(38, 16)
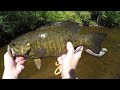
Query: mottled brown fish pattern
point(51, 41)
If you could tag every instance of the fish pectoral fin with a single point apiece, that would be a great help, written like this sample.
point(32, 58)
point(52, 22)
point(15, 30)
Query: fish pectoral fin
point(38, 63)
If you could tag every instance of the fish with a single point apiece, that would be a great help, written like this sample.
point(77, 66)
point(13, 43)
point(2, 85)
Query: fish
point(51, 41)
point(73, 26)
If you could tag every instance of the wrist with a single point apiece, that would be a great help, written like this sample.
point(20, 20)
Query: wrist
point(69, 75)
point(65, 75)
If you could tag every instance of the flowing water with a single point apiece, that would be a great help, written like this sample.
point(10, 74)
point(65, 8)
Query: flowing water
point(89, 67)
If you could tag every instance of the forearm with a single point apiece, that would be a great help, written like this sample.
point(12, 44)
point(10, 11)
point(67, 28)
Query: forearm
point(69, 75)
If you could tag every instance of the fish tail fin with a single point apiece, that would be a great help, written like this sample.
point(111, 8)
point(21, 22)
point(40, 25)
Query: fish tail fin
point(96, 40)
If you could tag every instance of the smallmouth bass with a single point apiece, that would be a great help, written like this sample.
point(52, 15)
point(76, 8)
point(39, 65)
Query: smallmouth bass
point(51, 41)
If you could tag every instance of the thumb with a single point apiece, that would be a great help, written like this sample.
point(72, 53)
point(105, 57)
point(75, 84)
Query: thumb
point(70, 49)
point(8, 60)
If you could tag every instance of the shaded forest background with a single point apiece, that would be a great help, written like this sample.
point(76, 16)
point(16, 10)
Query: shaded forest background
point(15, 23)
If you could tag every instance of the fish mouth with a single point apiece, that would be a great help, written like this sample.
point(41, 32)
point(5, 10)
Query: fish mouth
point(13, 54)
point(10, 51)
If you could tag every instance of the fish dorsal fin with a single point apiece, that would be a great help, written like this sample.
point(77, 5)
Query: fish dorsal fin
point(37, 63)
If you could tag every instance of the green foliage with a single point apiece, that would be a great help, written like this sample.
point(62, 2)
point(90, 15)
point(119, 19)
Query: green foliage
point(15, 21)
point(113, 17)
point(60, 16)
point(23, 21)
point(92, 23)
point(108, 18)
point(84, 17)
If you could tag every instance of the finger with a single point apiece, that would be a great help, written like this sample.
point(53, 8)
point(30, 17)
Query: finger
point(79, 49)
point(18, 59)
point(79, 53)
point(63, 56)
point(7, 56)
point(19, 68)
point(8, 61)
point(59, 59)
point(21, 62)
point(70, 52)
point(70, 49)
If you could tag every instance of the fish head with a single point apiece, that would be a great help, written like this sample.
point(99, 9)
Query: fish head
point(19, 48)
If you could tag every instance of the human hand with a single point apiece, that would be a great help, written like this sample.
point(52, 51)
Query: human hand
point(69, 61)
point(12, 66)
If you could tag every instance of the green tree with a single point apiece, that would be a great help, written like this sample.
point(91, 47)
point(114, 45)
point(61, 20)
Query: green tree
point(53, 16)
point(107, 18)
point(85, 17)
